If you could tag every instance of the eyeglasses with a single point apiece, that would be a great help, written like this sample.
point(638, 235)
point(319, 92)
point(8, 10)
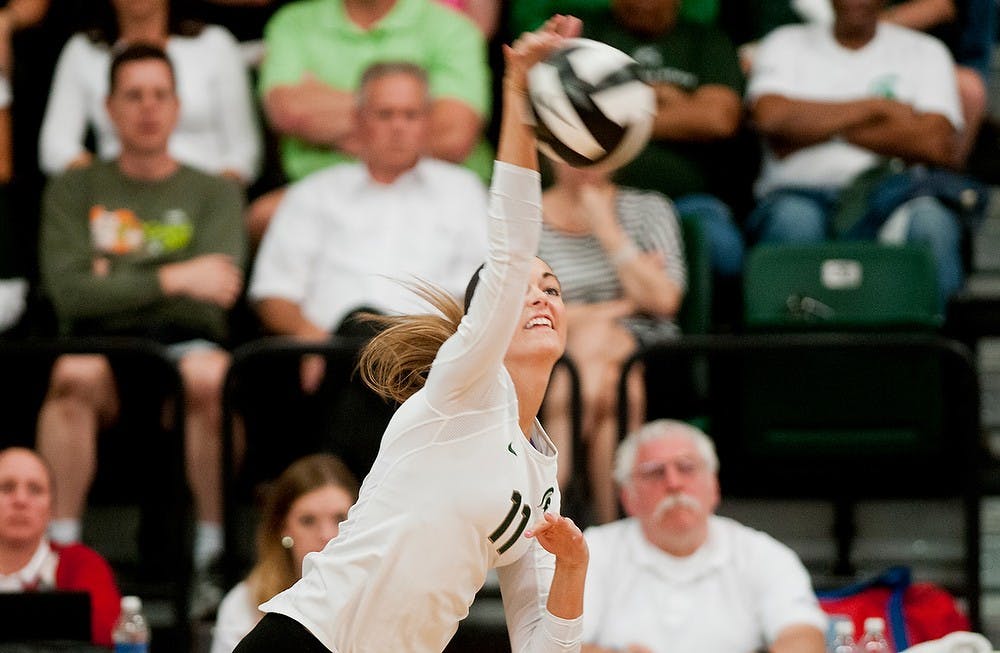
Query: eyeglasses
point(655, 471)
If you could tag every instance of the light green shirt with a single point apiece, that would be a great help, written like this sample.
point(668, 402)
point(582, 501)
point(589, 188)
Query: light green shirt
point(316, 36)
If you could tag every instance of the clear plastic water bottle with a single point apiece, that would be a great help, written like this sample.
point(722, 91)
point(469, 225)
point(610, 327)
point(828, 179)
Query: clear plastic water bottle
point(874, 640)
point(843, 637)
point(131, 633)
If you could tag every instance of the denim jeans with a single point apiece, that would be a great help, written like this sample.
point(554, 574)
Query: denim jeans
point(803, 216)
point(724, 237)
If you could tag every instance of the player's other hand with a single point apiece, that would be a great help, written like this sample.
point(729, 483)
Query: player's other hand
point(562, 538)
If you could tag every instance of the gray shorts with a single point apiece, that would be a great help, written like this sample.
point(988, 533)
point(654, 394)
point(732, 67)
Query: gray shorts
point(179, 350)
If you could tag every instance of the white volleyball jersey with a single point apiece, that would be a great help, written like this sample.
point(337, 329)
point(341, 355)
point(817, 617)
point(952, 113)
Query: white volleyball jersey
point(453, 488)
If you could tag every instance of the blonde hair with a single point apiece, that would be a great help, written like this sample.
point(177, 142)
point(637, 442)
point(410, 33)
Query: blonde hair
point(395, 362)
point(275, 569)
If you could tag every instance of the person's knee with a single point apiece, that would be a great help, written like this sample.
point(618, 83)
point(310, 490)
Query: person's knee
point(931, 222)
point(791, 219)
point(204, 373)
point(82, 377)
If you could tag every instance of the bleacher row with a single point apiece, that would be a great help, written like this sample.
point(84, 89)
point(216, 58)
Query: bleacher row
point(843, 387)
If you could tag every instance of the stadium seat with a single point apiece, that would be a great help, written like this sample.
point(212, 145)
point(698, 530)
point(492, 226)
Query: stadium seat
point(850, 285)
point(695, 315)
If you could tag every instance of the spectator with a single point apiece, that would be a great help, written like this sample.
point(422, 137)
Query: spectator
point(217, 131)
point(29, 561)
point(342, 234)
point(832, 102)
point(316, 52)
point(302, 512)
point(619, 255)
point(698, 84)
point(673, 576)
point(966, 27)
point(142, 245)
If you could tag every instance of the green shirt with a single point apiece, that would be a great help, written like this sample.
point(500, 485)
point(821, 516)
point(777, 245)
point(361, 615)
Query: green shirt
point(104, 237)
point(316, 36)
point(689, 56)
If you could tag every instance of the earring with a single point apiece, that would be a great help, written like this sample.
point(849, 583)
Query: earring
point(287, 542)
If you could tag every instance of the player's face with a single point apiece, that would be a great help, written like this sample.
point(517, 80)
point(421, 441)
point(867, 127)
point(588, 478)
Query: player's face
point(671, 486)
point(314, 519)
point(144, 106)
point(25, 498)
point(541, 331)
point(392, 123)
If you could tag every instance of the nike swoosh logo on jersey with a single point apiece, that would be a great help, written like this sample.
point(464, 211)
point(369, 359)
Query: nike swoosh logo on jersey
point(510, 448)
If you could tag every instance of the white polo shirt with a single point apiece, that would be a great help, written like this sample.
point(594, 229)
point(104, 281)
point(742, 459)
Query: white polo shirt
point(735, 593)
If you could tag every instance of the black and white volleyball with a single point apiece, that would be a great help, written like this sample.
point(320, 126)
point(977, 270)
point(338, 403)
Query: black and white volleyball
point(590, 106)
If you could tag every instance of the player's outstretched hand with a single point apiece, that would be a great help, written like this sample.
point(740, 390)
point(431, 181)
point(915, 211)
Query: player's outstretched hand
point(562, 538)
point(532, 47)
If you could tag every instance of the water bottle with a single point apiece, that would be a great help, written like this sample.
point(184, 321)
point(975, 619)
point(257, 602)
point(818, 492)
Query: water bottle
point(874, 640)
point(131, 632)
point(843, 637)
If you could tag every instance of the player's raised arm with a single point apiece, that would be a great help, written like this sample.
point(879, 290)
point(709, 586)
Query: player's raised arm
point(517, 137)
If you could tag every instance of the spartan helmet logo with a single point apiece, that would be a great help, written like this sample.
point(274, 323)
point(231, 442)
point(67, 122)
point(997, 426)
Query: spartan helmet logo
point(546, 499)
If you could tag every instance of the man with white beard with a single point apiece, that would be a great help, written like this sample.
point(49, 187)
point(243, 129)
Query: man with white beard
point(674, 576)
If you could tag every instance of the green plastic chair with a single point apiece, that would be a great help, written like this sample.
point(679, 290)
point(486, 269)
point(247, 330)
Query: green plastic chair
point(841, 286)
point(695, 315)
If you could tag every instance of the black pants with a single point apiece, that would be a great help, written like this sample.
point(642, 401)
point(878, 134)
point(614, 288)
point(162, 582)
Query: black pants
point(276, 632)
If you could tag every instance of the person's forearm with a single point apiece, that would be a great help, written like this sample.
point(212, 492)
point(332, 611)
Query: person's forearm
point(26, 13)
point(566, 592)
point(706, 115)
point(284, 317)
point(455, 129)
point(321, 116)
point(919, 138)
point(806, 122)
point(921, 14)
point(641, 276)
point(517, 144)
point(645, 284)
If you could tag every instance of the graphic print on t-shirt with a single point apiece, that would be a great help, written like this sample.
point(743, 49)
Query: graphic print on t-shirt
point(121, 231)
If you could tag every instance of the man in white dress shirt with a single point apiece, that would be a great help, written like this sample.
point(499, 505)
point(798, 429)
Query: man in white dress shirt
point(676, 577)
point(343, 237)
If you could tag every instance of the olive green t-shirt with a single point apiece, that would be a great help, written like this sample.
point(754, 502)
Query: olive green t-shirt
point(104, 237)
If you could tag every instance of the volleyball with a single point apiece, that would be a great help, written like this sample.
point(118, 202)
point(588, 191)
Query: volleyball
point(589, 105)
